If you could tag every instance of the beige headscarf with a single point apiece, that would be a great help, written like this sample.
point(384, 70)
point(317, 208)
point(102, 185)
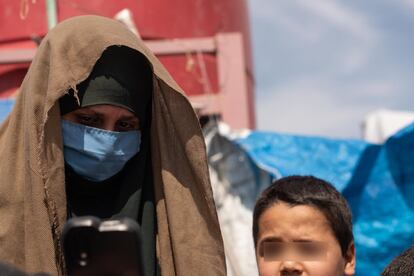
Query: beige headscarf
point(32, 190)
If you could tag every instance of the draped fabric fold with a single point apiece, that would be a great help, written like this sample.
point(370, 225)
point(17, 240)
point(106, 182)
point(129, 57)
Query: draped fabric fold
point(32, 183)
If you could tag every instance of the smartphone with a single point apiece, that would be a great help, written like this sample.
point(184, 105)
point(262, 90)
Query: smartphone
point(102, 247)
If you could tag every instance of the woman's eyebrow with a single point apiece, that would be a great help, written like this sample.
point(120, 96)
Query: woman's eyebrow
point(87, 112)
point(84, 109)
point(129, 117)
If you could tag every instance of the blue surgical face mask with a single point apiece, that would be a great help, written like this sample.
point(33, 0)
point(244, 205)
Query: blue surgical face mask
point(97, 154)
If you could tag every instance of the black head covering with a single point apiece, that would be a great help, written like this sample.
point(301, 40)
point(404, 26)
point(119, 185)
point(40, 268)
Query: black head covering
point(121, 77)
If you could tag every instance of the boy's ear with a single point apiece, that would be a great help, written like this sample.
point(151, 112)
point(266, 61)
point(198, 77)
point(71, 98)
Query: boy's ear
point(350, 260)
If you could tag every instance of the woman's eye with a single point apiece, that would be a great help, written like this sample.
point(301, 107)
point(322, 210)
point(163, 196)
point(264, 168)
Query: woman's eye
point(126, 126)
point(88, 120)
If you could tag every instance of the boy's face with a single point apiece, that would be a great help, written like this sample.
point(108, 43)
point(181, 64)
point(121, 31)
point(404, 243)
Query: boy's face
point(299, 241)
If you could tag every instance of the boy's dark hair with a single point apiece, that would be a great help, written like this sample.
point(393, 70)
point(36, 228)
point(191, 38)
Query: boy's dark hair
point(401, 265)
point(312, 191)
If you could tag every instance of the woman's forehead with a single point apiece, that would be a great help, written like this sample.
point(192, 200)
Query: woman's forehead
point(106, 110)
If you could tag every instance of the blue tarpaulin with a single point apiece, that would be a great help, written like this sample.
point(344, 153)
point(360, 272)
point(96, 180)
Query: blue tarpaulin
point(5, 108)
point(377, 180)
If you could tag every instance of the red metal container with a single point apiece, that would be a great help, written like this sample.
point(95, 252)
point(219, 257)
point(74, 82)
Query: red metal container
point(154, 19)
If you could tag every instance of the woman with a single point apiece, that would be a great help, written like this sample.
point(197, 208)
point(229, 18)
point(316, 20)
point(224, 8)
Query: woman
point(48, 172)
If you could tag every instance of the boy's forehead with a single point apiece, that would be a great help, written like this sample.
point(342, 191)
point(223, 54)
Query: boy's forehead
point(288, 223)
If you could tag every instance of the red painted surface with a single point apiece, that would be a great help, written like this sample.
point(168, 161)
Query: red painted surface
point(155, 19)
point(13, 28)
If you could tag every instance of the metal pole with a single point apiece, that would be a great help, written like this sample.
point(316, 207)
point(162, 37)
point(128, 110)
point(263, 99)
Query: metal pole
point(51, 13)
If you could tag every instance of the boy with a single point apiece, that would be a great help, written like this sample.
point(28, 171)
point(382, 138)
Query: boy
point(303, 226)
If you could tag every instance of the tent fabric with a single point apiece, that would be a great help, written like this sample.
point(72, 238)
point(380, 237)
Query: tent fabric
point(377, 180)
point(379, 125)
point(234, 178)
